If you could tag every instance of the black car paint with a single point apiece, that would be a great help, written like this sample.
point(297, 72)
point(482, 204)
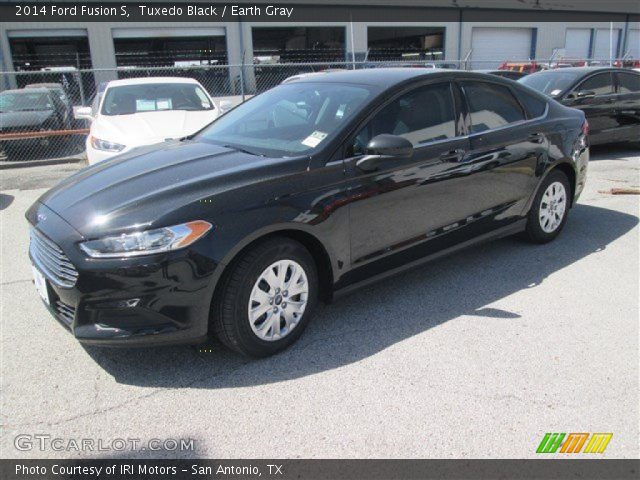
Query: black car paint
point(358, 225)
point(613, 117)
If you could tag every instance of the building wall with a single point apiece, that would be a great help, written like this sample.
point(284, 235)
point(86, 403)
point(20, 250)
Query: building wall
point(457, 40)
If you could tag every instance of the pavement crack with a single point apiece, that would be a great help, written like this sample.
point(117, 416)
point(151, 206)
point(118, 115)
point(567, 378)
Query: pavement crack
point(132, 401)
point(13, 282)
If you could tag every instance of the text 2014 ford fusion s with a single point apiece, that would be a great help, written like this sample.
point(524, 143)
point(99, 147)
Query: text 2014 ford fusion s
point(312, 188)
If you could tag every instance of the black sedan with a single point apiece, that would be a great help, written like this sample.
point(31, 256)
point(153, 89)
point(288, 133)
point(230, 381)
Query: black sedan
point(312, 188)
point(30, 110)
point(609, 97)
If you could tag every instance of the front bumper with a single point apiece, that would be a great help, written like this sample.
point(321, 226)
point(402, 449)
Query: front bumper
point(139, 301)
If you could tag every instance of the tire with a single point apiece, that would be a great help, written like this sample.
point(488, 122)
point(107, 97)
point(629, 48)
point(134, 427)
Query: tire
point(546, 220)
point(244, 285)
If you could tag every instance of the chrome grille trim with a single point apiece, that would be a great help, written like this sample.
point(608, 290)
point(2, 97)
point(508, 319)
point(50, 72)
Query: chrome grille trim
point(51, 260)
point(66, 313)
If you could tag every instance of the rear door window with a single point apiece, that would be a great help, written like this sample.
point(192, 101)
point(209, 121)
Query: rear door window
point(534, 106)
point(628, 82)
point(600, 84)
point(491, 106)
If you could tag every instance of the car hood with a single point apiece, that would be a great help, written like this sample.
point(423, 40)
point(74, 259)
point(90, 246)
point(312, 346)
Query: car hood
point(23, 119)
point(147, 128)
point(149, 185)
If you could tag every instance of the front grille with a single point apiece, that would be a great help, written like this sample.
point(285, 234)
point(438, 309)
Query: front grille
point(50, 258)
point(66, 313)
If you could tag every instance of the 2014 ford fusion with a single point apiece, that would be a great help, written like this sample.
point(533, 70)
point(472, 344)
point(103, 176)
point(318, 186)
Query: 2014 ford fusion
point(310, 189)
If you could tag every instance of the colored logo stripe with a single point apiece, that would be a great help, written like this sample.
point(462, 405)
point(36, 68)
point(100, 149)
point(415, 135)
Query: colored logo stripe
point(598, 442)
point(574, 443)
point(550, 443)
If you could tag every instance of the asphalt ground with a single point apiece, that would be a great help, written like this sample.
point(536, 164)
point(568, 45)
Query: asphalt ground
point(477, 355)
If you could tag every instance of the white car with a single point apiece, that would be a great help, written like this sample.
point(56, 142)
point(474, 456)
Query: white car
point(143, 111)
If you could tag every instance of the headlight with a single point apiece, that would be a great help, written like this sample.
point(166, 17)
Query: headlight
point(147, 242)
point(105, 145)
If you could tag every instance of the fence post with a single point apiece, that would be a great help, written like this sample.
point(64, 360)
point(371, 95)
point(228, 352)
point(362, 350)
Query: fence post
point(80, 81)
point(242, 78)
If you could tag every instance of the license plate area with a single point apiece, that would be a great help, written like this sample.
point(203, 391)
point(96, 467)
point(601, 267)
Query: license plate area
point(41, 285)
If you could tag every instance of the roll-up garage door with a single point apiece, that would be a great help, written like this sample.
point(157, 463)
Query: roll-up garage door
point(604, 42)
point(633, 44)
point(576, 44)
point(492, 46)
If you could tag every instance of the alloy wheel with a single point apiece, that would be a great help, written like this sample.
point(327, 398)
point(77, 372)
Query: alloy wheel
point(278, 300)
point(553, 205)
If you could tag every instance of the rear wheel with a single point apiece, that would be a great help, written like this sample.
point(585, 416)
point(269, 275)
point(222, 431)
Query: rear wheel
point(267, 298)
point(550, 208)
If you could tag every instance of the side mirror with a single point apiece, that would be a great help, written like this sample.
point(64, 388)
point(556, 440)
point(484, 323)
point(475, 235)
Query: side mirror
point(83, 113)
point(225, 106)
point(384, 147)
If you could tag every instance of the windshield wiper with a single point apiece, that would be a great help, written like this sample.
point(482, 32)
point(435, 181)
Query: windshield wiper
point(243, 150)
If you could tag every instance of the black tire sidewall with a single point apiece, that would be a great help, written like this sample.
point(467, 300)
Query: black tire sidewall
point(249, 342)
point(534, 229)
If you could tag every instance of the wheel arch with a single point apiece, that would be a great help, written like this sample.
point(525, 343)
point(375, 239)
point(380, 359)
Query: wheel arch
point(569, 170)
point(565, 167)
point(318, 251)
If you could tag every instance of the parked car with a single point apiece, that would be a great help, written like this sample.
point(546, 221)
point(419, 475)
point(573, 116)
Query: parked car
point(609, 97)
point(307, 190)
point(28, 111)
point(524, 67)
point(510, 74)
point(58, 89)
point(131, 113)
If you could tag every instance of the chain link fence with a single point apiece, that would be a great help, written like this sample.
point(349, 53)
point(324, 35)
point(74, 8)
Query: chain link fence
point(37, 108)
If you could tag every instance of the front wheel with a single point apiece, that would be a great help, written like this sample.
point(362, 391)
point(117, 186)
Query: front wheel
point(550, 208)
point(267, 298)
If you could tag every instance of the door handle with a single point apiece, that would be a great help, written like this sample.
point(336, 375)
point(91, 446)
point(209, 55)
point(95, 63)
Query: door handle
point(453, 155)
point(536, 137)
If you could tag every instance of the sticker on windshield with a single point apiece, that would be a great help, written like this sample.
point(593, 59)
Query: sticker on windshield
point(314, 139)
point(163, 104)
point(145, 105)
point(555, 92)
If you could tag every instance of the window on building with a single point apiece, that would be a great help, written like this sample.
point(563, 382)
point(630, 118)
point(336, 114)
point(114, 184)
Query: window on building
point(405, 44)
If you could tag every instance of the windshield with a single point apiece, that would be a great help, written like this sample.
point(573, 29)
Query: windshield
point(24, 101)
point(154, 97)
point(552, 83)
point(288, 120)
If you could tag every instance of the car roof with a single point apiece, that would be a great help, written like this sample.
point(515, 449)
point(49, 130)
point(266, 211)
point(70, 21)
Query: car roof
point(27, 90)
point(388, 77)
point(584, 70)
point(147, 80)
point(43, 85)
point(382, 77)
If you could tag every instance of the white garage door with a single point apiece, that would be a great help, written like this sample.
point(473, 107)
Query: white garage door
point(492, 46)
point(576, 43)
point(603, 43)
point(633, 43)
